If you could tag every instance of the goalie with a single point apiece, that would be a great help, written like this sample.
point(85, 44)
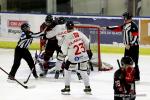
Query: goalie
point(124, 81)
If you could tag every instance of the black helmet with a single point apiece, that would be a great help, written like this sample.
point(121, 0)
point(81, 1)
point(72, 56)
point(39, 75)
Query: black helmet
point(127, 16)
point(61, 20)
point(49, 18)
point(126, 61)
point(69, 25)
point(25, 26)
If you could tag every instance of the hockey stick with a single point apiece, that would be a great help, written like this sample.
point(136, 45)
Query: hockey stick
point(31, 70)
point(28, 77)
point(118, 63)
point(26, 87)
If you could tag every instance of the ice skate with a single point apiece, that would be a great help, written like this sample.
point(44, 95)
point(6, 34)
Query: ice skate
point(10, 79)
point(87, 90)
point(66, 90)
point(35, 76)
point(43, 74)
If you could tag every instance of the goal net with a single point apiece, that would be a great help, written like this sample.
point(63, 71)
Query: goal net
point(93, 33)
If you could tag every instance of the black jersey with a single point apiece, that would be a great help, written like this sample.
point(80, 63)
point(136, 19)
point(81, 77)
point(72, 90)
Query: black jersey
point(124, 84)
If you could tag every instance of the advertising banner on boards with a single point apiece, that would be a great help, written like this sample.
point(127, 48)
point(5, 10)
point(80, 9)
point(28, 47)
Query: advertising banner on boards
point(145, 31)
point(10, 25)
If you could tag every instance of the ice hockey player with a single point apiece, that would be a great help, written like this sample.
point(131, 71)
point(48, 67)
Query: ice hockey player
point(76, 47)
point(59, 31)
point(124, 81)
point(50, 45)
point(21, 50)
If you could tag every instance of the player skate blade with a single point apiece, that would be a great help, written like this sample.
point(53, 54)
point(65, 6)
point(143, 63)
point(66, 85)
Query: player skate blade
point(65, 93)
point(11, 81)
point(88, 93)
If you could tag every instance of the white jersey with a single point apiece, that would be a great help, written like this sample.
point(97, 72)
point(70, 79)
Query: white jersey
point(74, 46)
point(59, 31)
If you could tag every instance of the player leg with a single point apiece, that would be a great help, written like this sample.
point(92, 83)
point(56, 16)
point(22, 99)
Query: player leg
point(78, 74)
point(16, 64)
point(83, 71)
point(67, 79)
point(135, 57)
point(48, 53)
point(28, 58)
point(58, 66)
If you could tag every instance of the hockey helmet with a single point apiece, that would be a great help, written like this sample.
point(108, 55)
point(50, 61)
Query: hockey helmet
point(69, 25)
point(49, 18)
point(61, 20)
point(126, 61)
point(25, 26)
point(126, 16)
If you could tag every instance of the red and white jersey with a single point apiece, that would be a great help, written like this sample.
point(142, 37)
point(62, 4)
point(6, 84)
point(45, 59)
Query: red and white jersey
point(59, 31)
point(74, 46)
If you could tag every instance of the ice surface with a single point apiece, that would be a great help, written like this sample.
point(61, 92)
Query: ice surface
point(49, 88)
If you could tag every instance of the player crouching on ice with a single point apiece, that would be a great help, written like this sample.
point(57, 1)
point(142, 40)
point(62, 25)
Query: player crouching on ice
point(76, 47)
point(124, 81)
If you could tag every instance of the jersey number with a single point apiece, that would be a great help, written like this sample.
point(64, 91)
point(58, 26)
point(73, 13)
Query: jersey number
point(79, 48)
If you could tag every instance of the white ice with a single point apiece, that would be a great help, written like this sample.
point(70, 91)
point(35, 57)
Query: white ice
point(49, 88)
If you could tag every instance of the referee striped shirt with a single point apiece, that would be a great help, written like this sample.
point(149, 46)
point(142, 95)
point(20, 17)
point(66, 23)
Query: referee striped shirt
point(131, 35)
point(26, 40)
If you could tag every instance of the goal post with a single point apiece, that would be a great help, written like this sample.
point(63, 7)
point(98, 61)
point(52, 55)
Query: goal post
point(93, 33)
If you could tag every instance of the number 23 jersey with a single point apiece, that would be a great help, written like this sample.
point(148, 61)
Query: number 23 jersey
point(74, 46)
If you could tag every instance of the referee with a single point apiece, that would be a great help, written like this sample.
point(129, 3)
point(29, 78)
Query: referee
point(130, 39)
point(21, 51)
